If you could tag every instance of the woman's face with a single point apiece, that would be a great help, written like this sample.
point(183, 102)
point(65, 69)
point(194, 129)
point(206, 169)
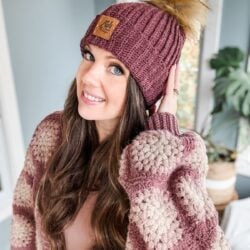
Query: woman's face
point(101, 85)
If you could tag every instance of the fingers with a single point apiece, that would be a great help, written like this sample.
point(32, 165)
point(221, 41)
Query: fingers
point(177, 73)
point(171, 81)
point(169, 100)
point(172, 85)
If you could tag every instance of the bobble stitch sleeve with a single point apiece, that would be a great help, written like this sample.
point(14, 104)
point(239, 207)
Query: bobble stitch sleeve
point(163, 173)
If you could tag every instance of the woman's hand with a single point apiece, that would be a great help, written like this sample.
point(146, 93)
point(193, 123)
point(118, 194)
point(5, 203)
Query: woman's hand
point(169, 100)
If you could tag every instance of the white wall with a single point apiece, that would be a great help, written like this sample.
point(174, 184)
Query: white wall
point(236, 24)
point(44, 39)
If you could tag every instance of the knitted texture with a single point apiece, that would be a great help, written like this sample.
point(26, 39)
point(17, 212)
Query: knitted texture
point(163, 174)
point(26, 225)
point(146, 39)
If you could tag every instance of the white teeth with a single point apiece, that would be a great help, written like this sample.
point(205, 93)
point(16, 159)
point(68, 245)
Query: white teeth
point(92, 98)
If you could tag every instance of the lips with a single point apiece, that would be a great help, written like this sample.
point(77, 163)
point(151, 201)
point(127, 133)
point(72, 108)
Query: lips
point(92, 98)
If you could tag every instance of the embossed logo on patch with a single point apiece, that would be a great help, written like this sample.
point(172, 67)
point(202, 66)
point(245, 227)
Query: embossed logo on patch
point(105, 27)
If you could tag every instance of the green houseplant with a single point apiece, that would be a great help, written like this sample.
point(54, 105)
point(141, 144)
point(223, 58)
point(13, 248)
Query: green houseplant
point(231, 92)
point(219, 153)
point(232, 83)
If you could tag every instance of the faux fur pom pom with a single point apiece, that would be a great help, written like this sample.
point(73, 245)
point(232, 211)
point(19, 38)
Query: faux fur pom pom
point(191, 14)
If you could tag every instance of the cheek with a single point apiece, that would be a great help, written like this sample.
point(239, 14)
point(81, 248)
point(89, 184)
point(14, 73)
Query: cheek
point(80, 71)
point(77, 85)
point(118, 94)
point(79, 75)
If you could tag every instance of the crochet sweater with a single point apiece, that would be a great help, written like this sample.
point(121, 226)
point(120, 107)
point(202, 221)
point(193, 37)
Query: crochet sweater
point(163, 173)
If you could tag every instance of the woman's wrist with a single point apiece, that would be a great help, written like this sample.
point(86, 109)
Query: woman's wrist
point(163, 120)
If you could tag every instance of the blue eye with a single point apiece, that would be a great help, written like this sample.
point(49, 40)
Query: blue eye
point(87, 55)
point(116, 70)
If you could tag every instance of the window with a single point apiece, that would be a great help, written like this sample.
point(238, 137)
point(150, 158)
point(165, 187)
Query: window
point(5, 187)
point(189, 67)
point(11, 144)
point(4, 179)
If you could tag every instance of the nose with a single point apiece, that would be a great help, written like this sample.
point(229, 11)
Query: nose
point(92, 75)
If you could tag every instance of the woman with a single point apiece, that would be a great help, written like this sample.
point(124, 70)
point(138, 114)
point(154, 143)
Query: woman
point(108, 172)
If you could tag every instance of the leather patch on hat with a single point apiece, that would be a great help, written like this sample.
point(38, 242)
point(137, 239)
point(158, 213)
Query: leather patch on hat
point(105, 27)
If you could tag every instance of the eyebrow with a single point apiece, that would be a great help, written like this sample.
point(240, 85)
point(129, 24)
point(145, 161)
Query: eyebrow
point(108, 57)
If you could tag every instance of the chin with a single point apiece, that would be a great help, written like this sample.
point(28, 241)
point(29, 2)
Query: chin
point(90, 115)
point(85, 115)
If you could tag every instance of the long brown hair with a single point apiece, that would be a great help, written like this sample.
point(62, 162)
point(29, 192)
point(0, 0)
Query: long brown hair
point(81, 164)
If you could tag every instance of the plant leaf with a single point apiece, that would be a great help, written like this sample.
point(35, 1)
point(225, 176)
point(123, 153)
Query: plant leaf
point(246, 105)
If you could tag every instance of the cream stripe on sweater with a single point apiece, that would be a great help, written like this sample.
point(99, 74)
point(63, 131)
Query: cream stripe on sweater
point(163, 173)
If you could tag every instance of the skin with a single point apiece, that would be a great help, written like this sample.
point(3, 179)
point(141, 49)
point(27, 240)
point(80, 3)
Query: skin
point(102, 75)
point(169, 100)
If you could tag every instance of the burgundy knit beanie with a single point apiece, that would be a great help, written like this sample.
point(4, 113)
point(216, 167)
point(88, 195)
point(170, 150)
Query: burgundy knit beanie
point(145, 38)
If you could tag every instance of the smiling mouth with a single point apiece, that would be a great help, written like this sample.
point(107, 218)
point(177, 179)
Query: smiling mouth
point(92, 98)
